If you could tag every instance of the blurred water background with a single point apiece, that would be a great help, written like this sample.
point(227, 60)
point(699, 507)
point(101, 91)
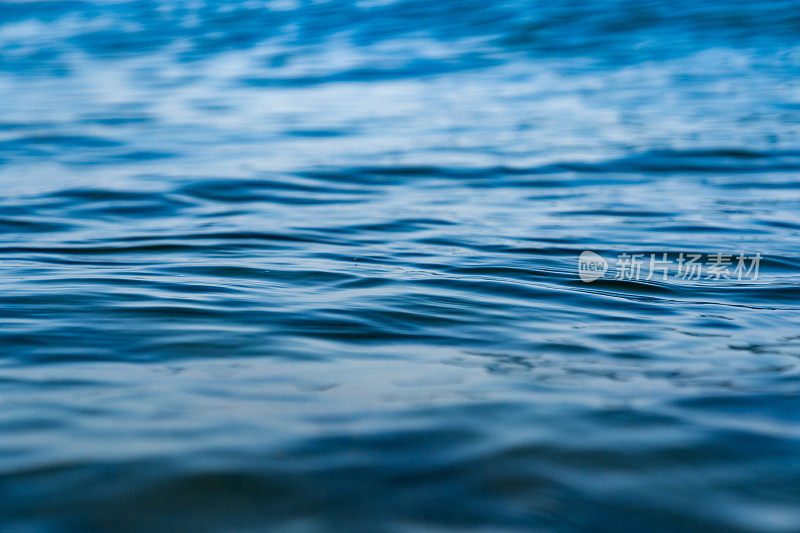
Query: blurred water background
point(311, 265)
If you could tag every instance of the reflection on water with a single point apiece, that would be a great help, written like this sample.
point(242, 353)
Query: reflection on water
point(313, 265)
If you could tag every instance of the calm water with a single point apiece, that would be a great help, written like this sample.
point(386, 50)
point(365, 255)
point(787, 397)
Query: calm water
point(312, 265)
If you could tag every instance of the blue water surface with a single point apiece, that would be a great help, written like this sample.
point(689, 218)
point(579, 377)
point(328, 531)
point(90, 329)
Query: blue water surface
point(312, 265)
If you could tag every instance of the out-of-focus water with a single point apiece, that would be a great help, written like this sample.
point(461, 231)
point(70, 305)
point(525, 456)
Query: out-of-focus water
point(311, 266)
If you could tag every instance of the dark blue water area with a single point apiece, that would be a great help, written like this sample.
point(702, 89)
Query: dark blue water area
point(313, 266)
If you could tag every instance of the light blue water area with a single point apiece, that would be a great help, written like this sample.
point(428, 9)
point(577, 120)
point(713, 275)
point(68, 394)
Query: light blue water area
point(312, 265)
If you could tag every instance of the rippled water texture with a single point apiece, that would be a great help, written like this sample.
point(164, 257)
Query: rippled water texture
point(311, 266)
